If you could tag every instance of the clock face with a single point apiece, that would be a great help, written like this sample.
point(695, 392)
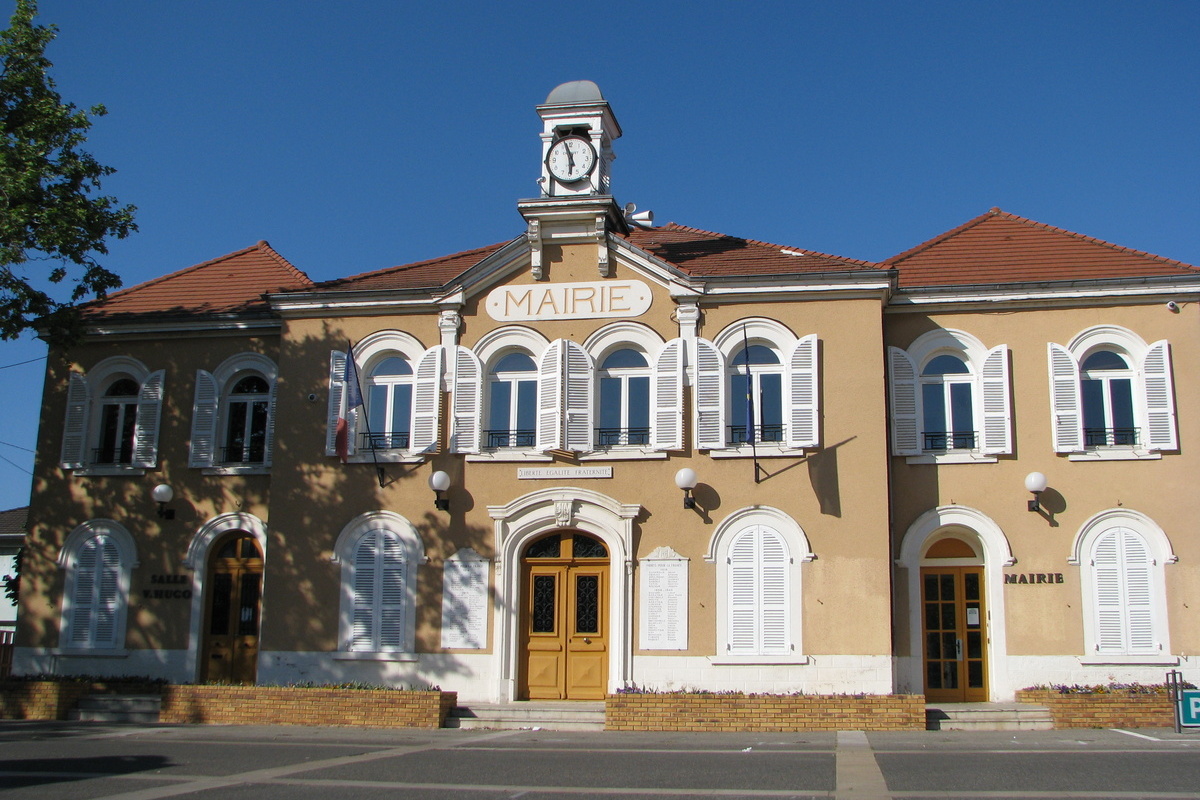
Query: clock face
point(571, 159)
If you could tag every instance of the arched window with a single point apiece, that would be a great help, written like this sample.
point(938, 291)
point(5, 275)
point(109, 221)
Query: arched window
point(247, 417)
point(950, 398)
point(1121, 554)
point(98, 557)
point(1106, 394)
point(1112, 395)
point(389, 403)
point(755, 396)
point(623, 410)
point(947, 409)
point(379, 553)
point(512, 402)
point(234, 414)
point(118, 418)
point(113, 415)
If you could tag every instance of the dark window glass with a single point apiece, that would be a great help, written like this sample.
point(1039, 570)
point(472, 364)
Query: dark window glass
point(221, 595)
point(587, 604)
point(251, 384)
point(1103, 359)
point(587, 547)
point(549, 547)
point(624, 359)
point(543, 604)
point(946, 365)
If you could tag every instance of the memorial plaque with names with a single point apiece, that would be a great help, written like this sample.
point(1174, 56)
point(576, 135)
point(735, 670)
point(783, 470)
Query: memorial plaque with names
point(663, 612)
point(465, 600)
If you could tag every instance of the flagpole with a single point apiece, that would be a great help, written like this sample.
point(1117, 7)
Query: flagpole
point(352, 368)
point(749, 400)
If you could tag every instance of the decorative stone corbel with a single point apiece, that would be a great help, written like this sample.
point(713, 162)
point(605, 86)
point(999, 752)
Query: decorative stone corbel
point(449, 321)
point(534, 234)
point(688, 317)
point(602, 246)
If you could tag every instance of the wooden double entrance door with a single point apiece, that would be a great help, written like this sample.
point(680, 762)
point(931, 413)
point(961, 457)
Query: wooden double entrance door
point(954, 628)
point(231, 611)
point(564, 618)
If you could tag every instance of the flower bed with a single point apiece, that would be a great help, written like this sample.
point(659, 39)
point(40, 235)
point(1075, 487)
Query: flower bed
point(703, 711)
point(1112, 706)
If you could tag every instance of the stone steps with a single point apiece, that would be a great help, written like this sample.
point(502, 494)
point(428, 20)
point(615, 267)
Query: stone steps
point(530, 715)
point(987, 717)
point(129, 708)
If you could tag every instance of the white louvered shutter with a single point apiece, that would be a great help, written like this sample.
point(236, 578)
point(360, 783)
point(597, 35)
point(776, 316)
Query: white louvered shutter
point(902, 379)
point(550, 398)
point(1139, 605)
point(96, 599)
point(337, 386)
point(710, 385)
point(743, 595)
point(666, 421)
point(362, 625)
point(149, 413)
point(393, 593)
point(997, 414)
point(578, 391)
point(427, 401)
point(1066, 412)
point(269, 444)
point(1109, 608)
point(74, 441)
point(1160, 398)
point(773, 568)
point(466, 402)
point(803, 395)
point(202, 448)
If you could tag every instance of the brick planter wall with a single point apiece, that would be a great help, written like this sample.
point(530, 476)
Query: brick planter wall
point(266, 705)
point(763, 713)
point(53, 699)
point(1107, 710)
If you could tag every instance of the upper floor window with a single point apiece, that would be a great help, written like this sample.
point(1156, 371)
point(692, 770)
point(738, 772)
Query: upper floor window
point(112, 417)
point(946, 405)
point(247, 411)
point(949, 397)
point(756, 383)
point(234, 417)
point(1112, 395)
point(512, 402)
point(755, 396)
point(389, 404)
point(623, 413)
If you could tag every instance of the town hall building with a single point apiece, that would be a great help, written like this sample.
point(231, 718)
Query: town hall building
point(606, 454)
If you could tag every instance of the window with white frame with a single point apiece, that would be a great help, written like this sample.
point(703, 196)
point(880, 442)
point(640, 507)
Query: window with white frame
point(379, 553)
point(97, 557)
point(512, 402)
point(233, 416)
point(623, 402)
point(1121, 554)
point(950, 397)
point(756, 381)
point(113, 415)
point(1112, 395)
point(400, 383)
point(759, 552)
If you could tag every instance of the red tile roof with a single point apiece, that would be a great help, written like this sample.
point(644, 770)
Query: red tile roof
point(998, 247)
point(231, 283)
point(706, 254)
point(431, 274)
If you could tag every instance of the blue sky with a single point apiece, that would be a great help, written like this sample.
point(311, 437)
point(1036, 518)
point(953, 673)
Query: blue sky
point(358, 135)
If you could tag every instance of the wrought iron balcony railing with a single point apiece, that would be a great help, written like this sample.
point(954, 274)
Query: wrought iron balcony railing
point(940, 441)
point(619, 437)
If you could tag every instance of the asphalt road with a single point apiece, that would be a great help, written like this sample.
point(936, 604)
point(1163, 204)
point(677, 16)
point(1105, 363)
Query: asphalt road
point(64, 761)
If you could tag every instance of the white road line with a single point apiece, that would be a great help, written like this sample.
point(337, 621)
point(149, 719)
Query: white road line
point(1138, 735)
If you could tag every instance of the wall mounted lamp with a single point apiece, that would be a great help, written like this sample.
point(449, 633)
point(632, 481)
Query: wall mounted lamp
point(440, 482)
point(1035, 482)
point(686, 479)
point(163, 494)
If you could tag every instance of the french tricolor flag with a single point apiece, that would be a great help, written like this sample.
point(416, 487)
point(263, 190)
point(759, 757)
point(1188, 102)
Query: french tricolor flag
point(353, 400)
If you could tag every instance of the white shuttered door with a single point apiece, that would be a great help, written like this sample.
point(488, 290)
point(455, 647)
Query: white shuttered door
point(466, 402)
point(96, 599)
point(337, 386)
point(666, 422)
point(1123, 594)
point(708, 380)
point(427, 401)
point(75, 425)
point(1066, 407)
point(204, 421)
point(758, 593)
point(1160, 398)
point(902, 378)
point(149, 412)
point(803, 413)
point(997, 416)
point(380, 594)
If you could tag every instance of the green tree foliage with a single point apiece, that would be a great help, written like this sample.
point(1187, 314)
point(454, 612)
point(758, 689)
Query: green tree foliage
point(12, 581)
point(51, 215)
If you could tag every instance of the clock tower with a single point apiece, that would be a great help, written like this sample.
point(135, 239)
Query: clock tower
point(578, 129)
